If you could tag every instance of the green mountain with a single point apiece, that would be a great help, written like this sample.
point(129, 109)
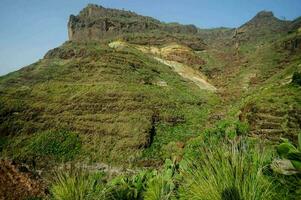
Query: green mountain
point(116, 94)
point(128, 91)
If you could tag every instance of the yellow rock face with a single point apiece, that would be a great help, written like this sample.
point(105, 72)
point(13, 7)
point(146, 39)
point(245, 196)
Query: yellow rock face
point(175, 52)
point(117, 44)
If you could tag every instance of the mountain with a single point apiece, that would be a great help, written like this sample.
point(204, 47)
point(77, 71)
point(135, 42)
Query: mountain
point(120, 99)
point(131, 82)
point(295, 25)
point(116, 94)
point(262, 25)
point(127, 92)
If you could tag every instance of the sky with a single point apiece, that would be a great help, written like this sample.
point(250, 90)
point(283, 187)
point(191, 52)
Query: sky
point(29, 28)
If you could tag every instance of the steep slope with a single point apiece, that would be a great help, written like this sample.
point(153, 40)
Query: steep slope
point(254, 52)
point(273, 106)
point(113, 98)
point(127, 87)
point(264, 26)
point(253, 70)
point(127, 92)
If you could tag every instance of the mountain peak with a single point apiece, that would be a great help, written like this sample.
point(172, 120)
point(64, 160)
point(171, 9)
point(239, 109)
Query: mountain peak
point(264, 14)
point(91, 5)
point(263, 24)
point(264, 17)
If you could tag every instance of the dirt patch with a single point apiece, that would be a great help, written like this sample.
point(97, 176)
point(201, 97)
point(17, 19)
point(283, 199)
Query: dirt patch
point(18, 183)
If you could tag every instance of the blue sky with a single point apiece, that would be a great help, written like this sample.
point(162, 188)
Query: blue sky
point(29, 28)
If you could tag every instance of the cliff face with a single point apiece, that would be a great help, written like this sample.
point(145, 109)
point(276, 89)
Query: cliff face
point(96, 22)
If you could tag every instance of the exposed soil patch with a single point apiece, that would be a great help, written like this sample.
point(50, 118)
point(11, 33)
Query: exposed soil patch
point(17, 182)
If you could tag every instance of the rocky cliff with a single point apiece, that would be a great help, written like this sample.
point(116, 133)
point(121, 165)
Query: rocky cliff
point(96, 22)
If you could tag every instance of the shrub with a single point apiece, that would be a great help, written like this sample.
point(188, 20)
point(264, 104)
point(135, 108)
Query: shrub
point(3, 141)
point(226, 129)
point(148, 185)
point(162, 186)
point(159, 188)
point(128, 187)
point(291, 158)
point(76, 184)
point(288, 168)
point(226, 171)
point(61, 145)
point(296, 78)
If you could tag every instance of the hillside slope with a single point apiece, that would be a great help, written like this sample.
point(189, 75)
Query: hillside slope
point(120, 102)
point(253, 71)
point(134, 108)
point(128, 89)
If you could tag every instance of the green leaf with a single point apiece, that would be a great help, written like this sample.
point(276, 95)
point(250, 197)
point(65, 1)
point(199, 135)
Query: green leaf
point(284, 148)
point(297, 165)
point(299, 141)
point(296, 155)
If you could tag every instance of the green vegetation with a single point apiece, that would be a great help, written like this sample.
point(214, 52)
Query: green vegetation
point(235, 168)
point(59, 144)
point(138, 130)
point(227, 171)
point(163, 186)
point(291, 158)
point(3, 141)
point(296, 78)
point(221, 164)
point(109, 97)
point(45, 146)
point(75, 184)
point(129, 187)
point(227, 129)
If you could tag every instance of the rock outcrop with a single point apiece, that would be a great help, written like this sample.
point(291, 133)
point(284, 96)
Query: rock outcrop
point(96, 22)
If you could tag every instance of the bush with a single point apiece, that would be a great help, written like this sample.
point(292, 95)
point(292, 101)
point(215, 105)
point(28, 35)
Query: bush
point(288, 168)
point(296, 78)
point(226, 171)
point(227, 129)
point(162, 186)
point(61, 145)
point(159, 188)
point(3, 141)
point(148, 185)
point(290, 155)
point(76, 184)
point(129, 187)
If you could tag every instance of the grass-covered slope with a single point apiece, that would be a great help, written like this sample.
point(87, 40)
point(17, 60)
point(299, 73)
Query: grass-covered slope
point(113, 100)
point(273, 101)
point(255, 81)
point(115, 109)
